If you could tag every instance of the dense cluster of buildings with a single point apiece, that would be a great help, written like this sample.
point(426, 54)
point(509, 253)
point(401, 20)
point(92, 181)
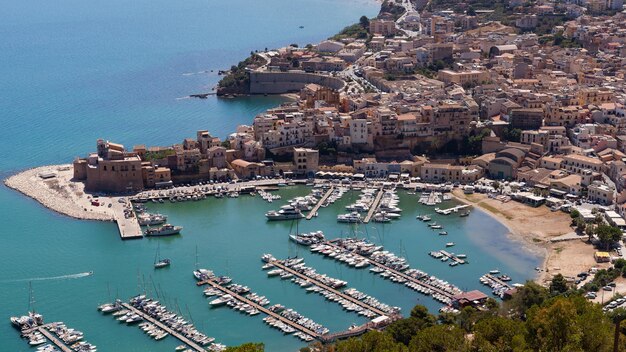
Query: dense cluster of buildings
point(533, 111)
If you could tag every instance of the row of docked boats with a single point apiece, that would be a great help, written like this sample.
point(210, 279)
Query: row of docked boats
point(430, 198)
point(388, 266)
point(174, 322)
point(298, 319)
point(237, 301)
point(153, 331)
point(308, 239)
point(71, 337)
point(498, 287)
point(267, 196)
point(334, 196)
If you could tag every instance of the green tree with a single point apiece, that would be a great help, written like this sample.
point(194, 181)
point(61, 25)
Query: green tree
point(527, 296)
point(471, 11)
point(372, 341)
point(574, 214)
point(558, 284)
point(247, 347)
point(499, 334)
point(617, 316)
point(364, 22)
point(439, 338)
point(608, 234)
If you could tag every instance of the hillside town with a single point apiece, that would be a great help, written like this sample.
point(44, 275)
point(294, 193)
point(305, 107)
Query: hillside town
point(506, 104)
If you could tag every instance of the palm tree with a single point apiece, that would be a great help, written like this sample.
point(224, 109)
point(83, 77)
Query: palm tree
point(617, 316)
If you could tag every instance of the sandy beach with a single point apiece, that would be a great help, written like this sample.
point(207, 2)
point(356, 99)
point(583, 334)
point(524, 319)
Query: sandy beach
point(538, 228)
point(59, 193)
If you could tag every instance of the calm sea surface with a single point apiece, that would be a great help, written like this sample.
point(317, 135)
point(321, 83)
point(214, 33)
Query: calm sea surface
point(73, 71)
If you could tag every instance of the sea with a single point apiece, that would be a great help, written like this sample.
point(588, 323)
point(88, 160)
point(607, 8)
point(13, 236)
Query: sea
point(77, 70)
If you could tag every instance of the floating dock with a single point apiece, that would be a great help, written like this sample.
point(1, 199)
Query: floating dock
point(63, 347)
point(260, 308)
point(452, 257)
point(495, 279)
point(319, 204)
point(164, 327)
point(394, 271)
point(374, 206)
point(328, 288)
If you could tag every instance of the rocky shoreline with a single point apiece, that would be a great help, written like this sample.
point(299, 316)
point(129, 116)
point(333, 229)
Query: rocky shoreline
point(58, 193)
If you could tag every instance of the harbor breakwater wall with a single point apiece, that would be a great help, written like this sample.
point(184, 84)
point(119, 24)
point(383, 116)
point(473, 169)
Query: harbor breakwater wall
point(288, 82)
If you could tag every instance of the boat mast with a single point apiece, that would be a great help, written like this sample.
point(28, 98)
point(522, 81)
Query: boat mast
point(196, 257)
point(31, 297)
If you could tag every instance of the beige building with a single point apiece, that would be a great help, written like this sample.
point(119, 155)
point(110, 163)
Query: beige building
point(110, 170)
point(306, 161)
point(463, 77)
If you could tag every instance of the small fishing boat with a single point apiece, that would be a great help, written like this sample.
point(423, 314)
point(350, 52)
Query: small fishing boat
point(494, 272)
point(450, 244)
point(443, 233)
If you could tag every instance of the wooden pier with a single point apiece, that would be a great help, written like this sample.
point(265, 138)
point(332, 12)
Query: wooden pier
point(452, 257)
point(491, 277)
point(328, 288)
point(395, 272)
point(166, 328)
point(374, 206)
point(58, 343)
point(128, 227)
point(319, 204)
point(260, 308)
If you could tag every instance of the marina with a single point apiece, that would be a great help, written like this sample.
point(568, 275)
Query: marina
point(374, 206)
point(171, 331)
point(329, 285)
point(353, 250)
point(320, 202)
point(269, 312)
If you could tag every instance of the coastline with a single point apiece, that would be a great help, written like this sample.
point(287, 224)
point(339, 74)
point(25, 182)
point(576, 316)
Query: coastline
point(58, 193)
point(537, 229)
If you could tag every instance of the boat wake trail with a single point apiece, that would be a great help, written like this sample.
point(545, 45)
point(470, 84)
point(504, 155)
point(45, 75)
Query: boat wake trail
point(62, 277)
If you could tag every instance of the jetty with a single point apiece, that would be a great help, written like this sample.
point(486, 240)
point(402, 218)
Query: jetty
point(319, 204)
point(452, 210)
point(318, 283)
point(259, 307)
point(53, 339)
point(127, 222)
point(164, 327)
point(452, 257)
point(374, 206)
point(498, 281)
point(408, 278)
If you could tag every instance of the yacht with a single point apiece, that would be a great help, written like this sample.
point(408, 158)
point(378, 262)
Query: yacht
point(165, 230)
point(162, 263)
point(353, 217)
point(202, 274)
point(221, 301)
point(308, 239)
point(286, 212)
point(146, 219)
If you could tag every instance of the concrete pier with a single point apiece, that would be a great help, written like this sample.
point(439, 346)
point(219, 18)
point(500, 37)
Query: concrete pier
point(260, 308)
point(319, 204)
point(166, 328)
point(128, 227)
point(374, 206)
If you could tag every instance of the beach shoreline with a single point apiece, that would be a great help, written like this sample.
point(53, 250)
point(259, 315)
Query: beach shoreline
point(539, 230)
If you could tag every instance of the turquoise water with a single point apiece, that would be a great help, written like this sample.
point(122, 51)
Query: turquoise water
point(74, 71)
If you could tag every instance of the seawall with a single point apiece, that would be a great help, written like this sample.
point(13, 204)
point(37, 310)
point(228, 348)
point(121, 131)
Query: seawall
point(287, 82)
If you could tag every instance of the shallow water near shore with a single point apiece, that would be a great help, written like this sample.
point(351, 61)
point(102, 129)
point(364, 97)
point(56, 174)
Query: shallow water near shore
point(76, 70)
